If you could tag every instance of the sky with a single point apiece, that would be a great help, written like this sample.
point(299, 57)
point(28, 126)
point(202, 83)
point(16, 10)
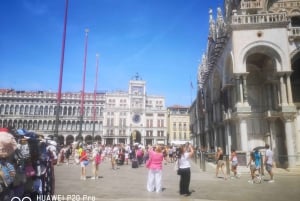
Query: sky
point(161, 40)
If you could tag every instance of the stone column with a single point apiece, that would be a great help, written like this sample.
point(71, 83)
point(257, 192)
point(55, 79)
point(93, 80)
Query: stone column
point(243, 135)
point(289, 141)
point(215, 138)
point(227, 137)
point(237, 85)
point(229, 98)
point(245, 93)
point(241, 91)
point(276, 95)
point(298, 133)
point(269, 96)
point(289, 90)
point(283, 91)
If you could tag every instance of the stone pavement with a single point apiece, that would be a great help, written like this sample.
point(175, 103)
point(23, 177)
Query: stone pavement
point(127, 184)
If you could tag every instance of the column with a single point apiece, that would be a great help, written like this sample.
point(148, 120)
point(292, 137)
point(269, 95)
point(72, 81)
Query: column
point(241, 91)
point(283, 91)
point(298, 132)
point(229, 98)
point(237, 85)
point(245, 93)
point(289, 141)
point(275, 95)
point(269, 96)
point(215, 138)
point(227, 138)
point(243, 135)
point(289, 90)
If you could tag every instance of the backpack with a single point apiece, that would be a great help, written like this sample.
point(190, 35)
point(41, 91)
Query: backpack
point(97, 159)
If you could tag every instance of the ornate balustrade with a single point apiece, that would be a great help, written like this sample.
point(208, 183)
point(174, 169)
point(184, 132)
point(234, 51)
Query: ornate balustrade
point(259, 19)
point(294, 33)
point(290, 4)
point(251, 4)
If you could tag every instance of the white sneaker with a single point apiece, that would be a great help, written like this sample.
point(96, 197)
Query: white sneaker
point(271, 181)
point(250, 181)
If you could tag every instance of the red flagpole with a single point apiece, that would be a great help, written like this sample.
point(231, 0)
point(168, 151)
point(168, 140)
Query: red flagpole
point(95, 93)
point(61, 69)
point(83, 82)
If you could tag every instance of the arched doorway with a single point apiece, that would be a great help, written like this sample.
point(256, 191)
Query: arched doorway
point(69, 139)
point(98, 138)
point(61, 140)
point(79, 138)
point(135, 137)
point(88, 139)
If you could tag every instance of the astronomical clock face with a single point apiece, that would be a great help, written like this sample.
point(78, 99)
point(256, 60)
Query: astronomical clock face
point(136, 118)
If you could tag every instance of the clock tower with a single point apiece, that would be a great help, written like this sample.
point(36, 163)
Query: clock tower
point(137, 93)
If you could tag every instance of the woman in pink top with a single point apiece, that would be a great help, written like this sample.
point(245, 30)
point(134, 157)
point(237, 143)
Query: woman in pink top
point(154, 164)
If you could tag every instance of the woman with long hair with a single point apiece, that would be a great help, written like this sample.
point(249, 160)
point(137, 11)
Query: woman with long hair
point(184, 168)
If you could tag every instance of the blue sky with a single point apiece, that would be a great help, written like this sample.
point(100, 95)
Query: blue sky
point(162, 40)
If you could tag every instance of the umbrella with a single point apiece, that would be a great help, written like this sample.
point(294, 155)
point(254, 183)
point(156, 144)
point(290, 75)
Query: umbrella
point(8, 144)
point(259, 147)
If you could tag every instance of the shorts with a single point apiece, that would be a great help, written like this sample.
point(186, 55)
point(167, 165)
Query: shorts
point(252, 167)
point(221, 163)
point(84, 163)
point(269, 167)
point(234, 164)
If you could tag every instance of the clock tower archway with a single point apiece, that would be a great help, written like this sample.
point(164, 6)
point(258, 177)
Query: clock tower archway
point(135, 137)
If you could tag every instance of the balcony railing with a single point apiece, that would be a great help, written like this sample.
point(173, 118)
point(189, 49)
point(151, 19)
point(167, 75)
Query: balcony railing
point(294, 33)
point(289, 4)
point(251, 5)
point(259, 19)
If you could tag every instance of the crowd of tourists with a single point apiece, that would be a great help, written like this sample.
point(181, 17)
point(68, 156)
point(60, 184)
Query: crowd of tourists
point(26, 164)
point(153, 158)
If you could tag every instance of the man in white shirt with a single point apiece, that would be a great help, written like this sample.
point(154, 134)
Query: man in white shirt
point(269, 162)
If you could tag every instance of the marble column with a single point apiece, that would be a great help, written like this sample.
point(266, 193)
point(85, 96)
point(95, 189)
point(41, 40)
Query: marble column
point(245, 93)
point(289, 90)
point(283, 91)
point(298, 133)
point(269, 96)
point(228, 137)
point(238, 92)
point(243, 135)
point(241, 91)
point(289, 141)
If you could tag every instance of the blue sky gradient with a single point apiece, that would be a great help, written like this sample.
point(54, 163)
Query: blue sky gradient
point(162, 40)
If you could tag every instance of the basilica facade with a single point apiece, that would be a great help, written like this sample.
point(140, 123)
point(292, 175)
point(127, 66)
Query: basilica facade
point(249, 80)
point(114, 117)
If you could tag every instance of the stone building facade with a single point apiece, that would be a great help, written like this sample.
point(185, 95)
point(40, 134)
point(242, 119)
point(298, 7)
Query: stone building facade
point(249, 79)
point(109, 117)
point(178, 124)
